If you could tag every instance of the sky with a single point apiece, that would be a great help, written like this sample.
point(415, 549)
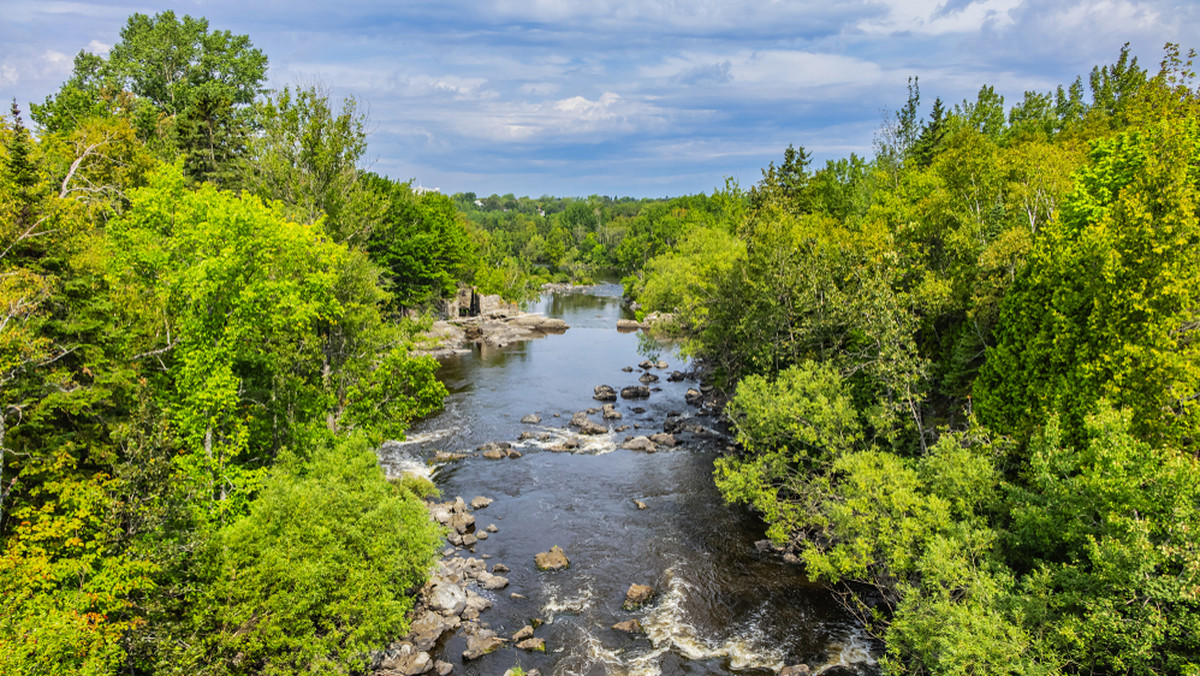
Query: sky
point(640, 98)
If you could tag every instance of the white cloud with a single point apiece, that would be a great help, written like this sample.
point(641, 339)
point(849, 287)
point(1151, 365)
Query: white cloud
point(933, 17)
point(41, 67)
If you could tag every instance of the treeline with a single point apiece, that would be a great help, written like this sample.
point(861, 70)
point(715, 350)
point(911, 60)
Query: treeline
point(201, 342)
point(565, 239)
point(965, 374)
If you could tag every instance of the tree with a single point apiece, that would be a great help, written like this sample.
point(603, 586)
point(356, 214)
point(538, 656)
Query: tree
point(193, 87)
point(322, 570)
point(1107, 306)
point(423, 245)
point(240, 292)
point(307, 156)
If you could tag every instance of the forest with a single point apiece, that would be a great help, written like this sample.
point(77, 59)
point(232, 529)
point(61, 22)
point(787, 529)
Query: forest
point(963, 374)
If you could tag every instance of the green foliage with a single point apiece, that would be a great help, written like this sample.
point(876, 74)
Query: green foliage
point(322, 569)
point(1107, 306)
point(685, 281)
point(424, 247)
point(307, 156)
point(161, 346)
point(1109, 528)
point(398, 390)
point(191, 85)
point(790, 428)
point(69, 590)
point(240, 292)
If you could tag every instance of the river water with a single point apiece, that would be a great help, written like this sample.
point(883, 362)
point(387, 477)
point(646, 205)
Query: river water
point(720, 606)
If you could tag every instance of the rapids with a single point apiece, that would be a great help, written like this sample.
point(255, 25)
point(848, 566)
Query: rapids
point(720, 606)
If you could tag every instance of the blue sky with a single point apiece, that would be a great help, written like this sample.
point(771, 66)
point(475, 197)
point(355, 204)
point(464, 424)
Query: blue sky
point(645, 98)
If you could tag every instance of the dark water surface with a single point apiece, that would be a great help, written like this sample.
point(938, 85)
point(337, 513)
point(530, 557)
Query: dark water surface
point(720, 608)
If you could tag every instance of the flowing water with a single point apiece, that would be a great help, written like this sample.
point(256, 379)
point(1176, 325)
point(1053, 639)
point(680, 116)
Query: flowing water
point(720, 606)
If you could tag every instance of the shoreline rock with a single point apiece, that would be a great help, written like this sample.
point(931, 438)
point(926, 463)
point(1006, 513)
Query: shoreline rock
point(450, 337)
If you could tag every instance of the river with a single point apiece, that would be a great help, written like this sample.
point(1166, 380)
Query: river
point(720, 606)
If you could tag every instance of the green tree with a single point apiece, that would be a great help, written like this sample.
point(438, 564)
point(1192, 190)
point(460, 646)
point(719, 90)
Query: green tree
point(307, 156)
point(422, 243)
point(193, 87)
point(1107, 306)
point(322, 570)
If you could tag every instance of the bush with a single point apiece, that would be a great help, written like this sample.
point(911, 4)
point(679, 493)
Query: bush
point(322, 570)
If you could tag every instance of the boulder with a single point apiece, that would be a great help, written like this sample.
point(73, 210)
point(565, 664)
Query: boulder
point(501, 446)
point(637, 596)
point(480, 644)
point(514, 453)
point(660, 364)
point(664, 439)
point(635, 392)
point(446, 599)
point(408, 662)
point(479, 502)
point(539, 323)
point(492, 582)
point(533, 644)
point(611, 413)
point(461, 522)
point(604, 393)
point(429, 627)
point(446, 456)
point(627, 369)
point(476, 602)
point(639, 504)
point(495, 455)
point(647, 378)
point(522, 634)
point(443, 668)
point(555, 559)
point(795, 670)
point(586, 426)
point(629, 627)
point(625, 325)
point(693, 397)
point(532, 419)
point(639, 444)
point(469, 539)
point(499, 568)
point(492, 529)
point(646, 365)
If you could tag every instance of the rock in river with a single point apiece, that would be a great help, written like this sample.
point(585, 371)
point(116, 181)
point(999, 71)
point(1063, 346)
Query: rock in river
point(604, 393)
point(636, 392)
point(637, 596)
point(629, 627)
point(586, 426)
point(640, 444)
point(555, 559)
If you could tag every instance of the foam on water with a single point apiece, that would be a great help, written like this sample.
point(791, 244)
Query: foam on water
point(557, 602)
point(668, 628)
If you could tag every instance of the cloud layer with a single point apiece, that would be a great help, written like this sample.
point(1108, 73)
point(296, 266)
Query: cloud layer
point(625, 97)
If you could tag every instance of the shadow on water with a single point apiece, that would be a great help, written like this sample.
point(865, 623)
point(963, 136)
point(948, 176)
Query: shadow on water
point(720, 608)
